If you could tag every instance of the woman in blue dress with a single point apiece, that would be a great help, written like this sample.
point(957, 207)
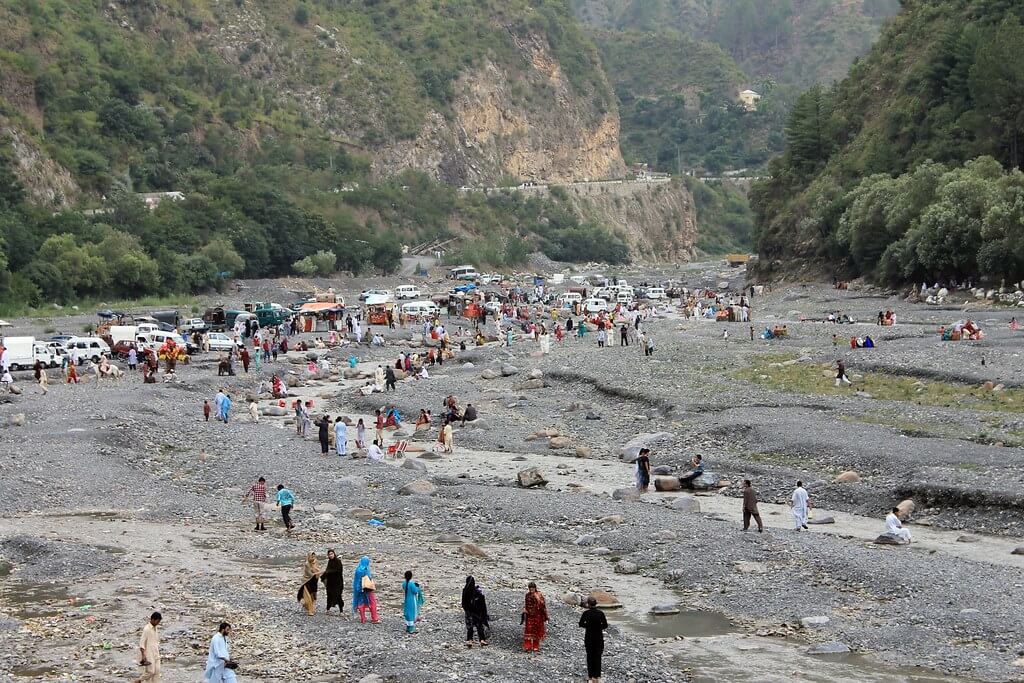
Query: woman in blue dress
point(364, 591)
point(412, 602)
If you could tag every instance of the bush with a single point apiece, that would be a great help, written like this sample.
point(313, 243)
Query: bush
point(302, 15)
point(321, 263)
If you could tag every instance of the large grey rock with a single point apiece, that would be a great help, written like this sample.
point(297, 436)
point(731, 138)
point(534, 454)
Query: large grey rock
point(625, 567)
point(586, 539)
point(16, 420)
point(686, 504)
point(706, 481)
point(661, 470)
point(667, 484)
point(490, 373)
point(362, 514)
point(888, 539)
point(274, 411)
point(825, 519)
point(967, 538)
point(664, 609)
point(631, 449)
point(530, 384)
point(429, 455)
point(508, 370)
point(536, 373)
point(559, 442)
point(531, 477)
point(626, 493)
point(418, 487)
point(814, 622)
point(832, 647)
point(1019, 550)
point(417, 465)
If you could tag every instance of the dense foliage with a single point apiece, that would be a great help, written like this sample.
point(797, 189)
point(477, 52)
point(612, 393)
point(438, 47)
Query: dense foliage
point(724, 216)
point(941, 87)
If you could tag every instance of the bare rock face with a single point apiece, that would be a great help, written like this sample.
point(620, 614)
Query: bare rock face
point(530, 478)
point(906, 508)
point(848, 477)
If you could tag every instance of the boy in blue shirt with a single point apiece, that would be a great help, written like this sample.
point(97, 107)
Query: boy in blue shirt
point(285, 499)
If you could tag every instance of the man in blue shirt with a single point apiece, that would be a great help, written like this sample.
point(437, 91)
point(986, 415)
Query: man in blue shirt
point(285, 499)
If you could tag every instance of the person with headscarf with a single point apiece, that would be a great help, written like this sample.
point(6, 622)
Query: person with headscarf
point(323, 432)
point(535, 615)
point(334, 581)
point(411, 603)
point(364, 591)
point(310, 579)
point(475, 607)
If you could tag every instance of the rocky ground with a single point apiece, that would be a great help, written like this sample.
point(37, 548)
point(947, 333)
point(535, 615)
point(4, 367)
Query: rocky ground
point(118, 500)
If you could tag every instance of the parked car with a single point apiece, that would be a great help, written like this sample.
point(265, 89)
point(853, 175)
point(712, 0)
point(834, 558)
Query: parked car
point(374, 292)
point(595, 305)
point(220, 342)
point(493, 307)
point(194, 325)
point(468, 287)
point(82, 349)
point(420, 308)
point(655, 294)
point(407, 292)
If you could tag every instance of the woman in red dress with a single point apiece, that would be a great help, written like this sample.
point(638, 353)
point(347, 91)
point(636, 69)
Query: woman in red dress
point(535, 615)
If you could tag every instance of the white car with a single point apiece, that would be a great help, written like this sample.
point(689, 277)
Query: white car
point(493, 307)
point(384, 293)
point(407, 292)
point(656, 294)
point(221, 342)
point(596, 305)
point(82, 349)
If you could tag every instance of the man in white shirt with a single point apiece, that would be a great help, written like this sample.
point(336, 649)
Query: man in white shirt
point(800, 504)
point(894, 527)
point(149, 650)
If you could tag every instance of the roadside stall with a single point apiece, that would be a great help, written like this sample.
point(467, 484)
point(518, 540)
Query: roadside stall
point(320, 316)
point(377, 308)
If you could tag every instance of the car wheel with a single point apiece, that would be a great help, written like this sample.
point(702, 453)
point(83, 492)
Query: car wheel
point(95, 359)
point(15, 367)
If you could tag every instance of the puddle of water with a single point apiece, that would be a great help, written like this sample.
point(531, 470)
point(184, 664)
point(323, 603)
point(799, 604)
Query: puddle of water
point(94, 514)
point(688, 623)
point(36, 600)
point(33, 671)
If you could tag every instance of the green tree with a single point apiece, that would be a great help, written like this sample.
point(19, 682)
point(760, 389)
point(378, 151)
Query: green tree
point(996, 83)
point(808, 132)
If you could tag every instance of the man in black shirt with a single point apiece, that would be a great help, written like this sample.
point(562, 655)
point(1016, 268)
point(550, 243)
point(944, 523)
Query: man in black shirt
point(593, 620)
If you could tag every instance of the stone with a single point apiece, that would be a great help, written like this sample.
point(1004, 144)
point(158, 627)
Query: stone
point(661, 470)
point(572, 599)
point(449, 538)
point(586, 539)
point(1019, 550)
point(625, 567)
point(631, 449)
point(530, 478)
point(418, 487)
point(664, 535)
point(667, 484)
point(748, 567)
point(605, 599)
point(325, 507)
point(611, 519)
point(559, 442)
point(847, 477)
point(508, 370)
point(362, 514)
point(536, 373)
point(473, 550)
point(351, 373)
point(664, 609)
point(906, 508)
point(686, 504)
point(490, 373)
point(530, 384)
point(967, 538)
point(888, 539)
point(371, 678)
point(583, 452)
point(592, 416)
point(826, 519)
point(429, 455)
point(274, 411)
point(16, 420)
point(814, 622)
point(832, 647)
point(417, 465)
point(706, 482)
point(626, 493)
point(400, 374)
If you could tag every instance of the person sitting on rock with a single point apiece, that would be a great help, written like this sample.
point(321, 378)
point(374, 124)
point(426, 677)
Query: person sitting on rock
point(696, 469)
point(894, 527)
point(469, 414)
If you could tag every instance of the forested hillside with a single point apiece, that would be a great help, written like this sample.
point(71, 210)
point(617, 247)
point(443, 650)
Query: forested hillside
point(909, 168)
point(303, 133)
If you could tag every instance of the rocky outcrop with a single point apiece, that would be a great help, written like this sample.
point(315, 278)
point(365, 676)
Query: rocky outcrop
point(46, 182)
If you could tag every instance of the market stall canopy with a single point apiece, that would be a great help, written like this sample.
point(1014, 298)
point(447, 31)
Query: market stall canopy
point(320, 307)
point(377, 299)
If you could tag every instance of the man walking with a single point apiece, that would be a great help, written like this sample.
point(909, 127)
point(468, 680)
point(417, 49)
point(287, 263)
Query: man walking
point(841, 377)
point(225, 408)
point(258, 493)
point(750, 507)
point(800, 504)
point(623, 335)
point(594, 621)
point(389, 379)
point(149, 650)
point(285, 500)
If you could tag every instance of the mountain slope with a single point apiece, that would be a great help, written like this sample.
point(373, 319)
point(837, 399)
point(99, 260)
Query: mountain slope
point(858, 187)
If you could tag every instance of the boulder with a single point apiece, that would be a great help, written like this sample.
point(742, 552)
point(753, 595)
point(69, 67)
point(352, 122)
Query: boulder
point(625, 567)
point(967, 538)
point(906, 508)
point(362, 514)
point(1019, 550)
point(536, 373)
point(418, 487)
point(490, 373)
point(626, 493)
point(572, 599)
point(592, 416)
point(888, 539)
point(825, 519)
point(530, 478)
point(508, 370)
point(664, 535)
point(429, 455)
point(473, 550)
point(16, 420)
point(417, 465)
point(371, 678)
point(706, 481)
point(832, 647)
point(325, 507)
point(583, 452)
point(586, 539)
point(400, 374)
point(686, 504)
point(748, 567)
point(559, 442)
point(611, 519)
point(605, 599)
point(814, 622)
point(847, 477)
point(667, 484)
point(664, 609)
point(631, 449)
point(292, 380)
point(661, 470)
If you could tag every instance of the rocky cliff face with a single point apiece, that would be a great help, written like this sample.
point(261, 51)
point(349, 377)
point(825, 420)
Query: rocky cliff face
point(46, 182)
point(659, 221)
point(530, 126)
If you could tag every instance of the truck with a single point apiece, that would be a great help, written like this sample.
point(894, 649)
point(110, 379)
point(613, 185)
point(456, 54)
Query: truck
point(23, 352)
point(169, 317)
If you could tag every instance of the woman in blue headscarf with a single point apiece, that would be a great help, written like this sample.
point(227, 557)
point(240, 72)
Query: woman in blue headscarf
point(364, 591)
point(412, 602)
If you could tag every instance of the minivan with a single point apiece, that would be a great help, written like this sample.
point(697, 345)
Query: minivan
point(596, 305)
point(463, 273)
point(82, 349)
point(570, 299)
point(419, 308)
point(407, 292)
point(655, 294)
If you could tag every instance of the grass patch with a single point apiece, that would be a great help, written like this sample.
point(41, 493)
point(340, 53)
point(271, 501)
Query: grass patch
point(781, 373)
point(182, 302)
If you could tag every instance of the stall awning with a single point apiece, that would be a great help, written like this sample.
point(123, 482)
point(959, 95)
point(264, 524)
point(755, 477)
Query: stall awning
point(320, 307)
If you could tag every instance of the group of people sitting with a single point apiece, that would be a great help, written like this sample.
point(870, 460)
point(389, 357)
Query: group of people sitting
point(865, 342)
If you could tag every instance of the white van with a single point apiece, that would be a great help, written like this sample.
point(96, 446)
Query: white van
point(420, 308)
point(596, 305)
point(623, 297)
point(23, 352)
point(82, 349)
point(463, 273)
point(656, 294)
point(556, 279)
point(407, 292)
point(580, 279)
point(570, 299)
point(154, 340)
